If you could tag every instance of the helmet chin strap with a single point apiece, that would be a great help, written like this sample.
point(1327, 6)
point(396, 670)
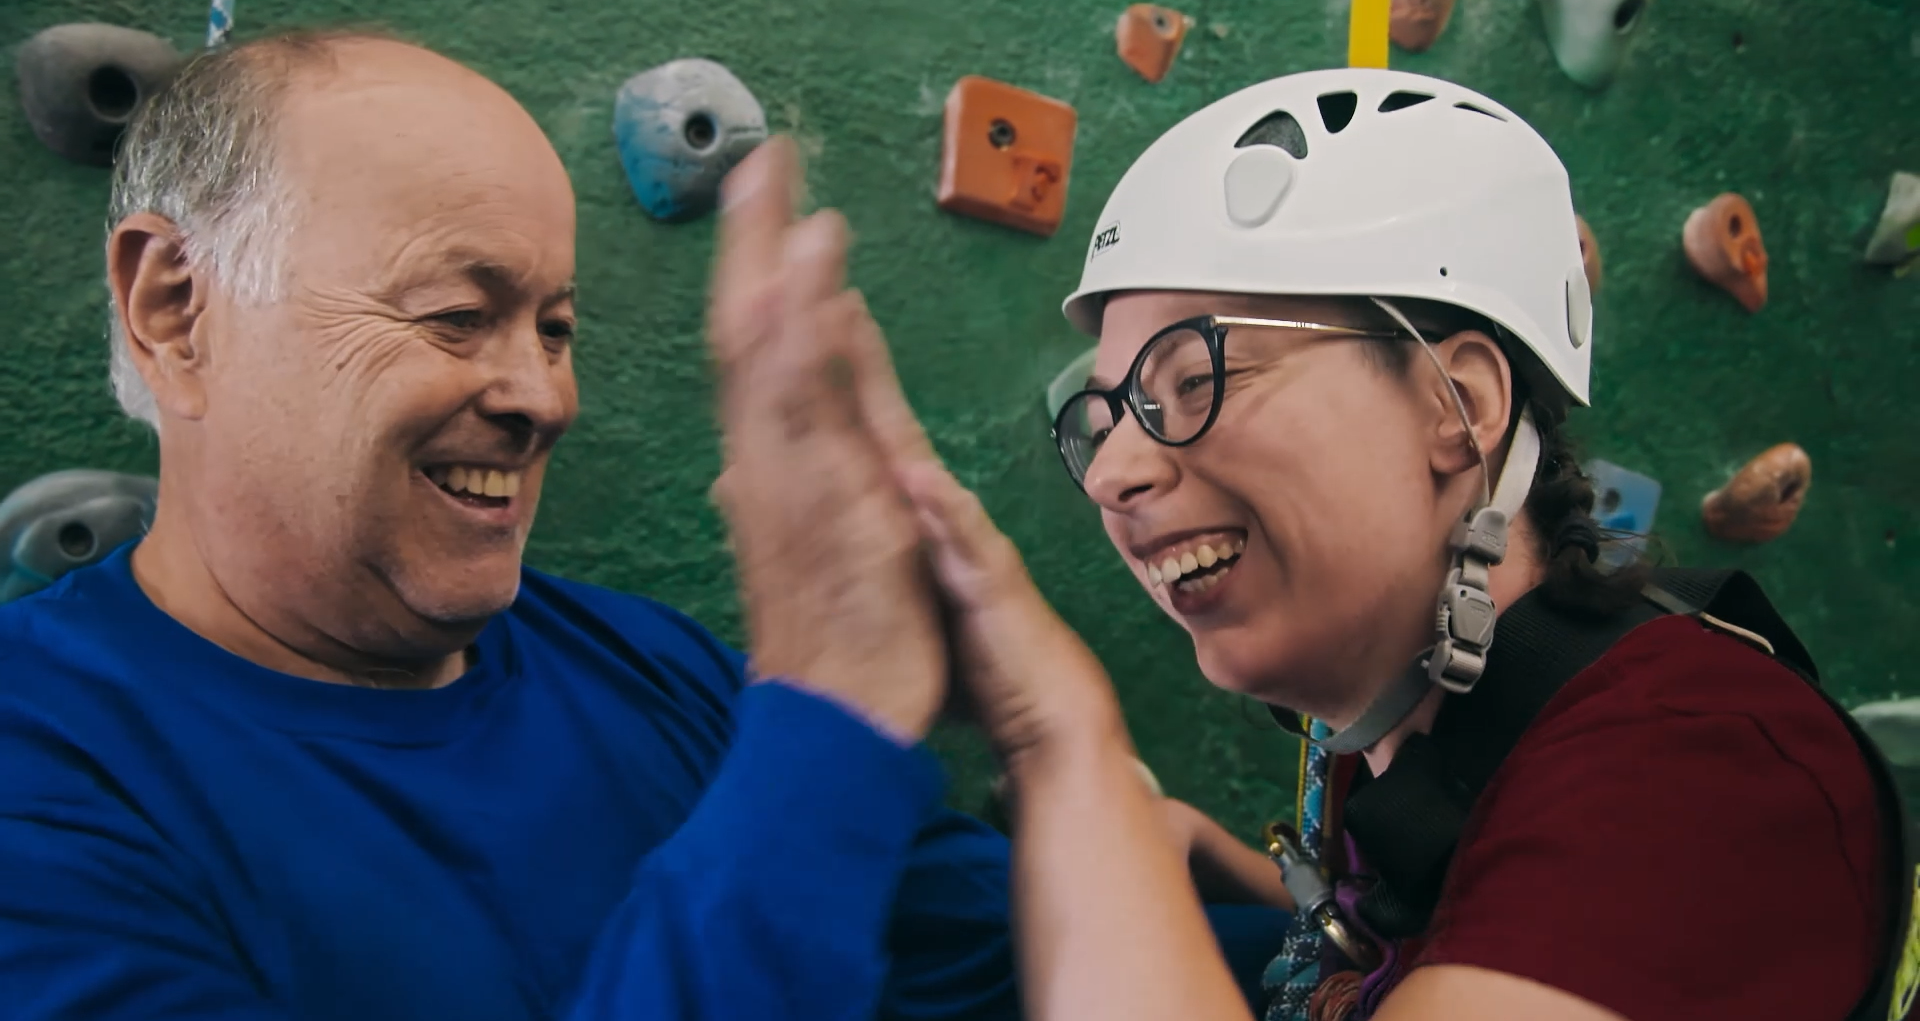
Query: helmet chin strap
point(1464, 621)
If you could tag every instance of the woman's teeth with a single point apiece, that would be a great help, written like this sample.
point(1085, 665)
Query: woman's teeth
point(1179, 571)
point(463, 480)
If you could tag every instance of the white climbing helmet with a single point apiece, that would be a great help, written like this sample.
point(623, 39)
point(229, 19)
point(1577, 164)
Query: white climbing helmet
point(1355, 181)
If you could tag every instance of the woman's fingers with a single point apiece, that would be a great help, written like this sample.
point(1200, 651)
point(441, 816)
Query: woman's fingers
point(975, 562)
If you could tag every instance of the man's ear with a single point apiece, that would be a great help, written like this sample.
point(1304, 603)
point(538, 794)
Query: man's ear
point(1480, 373)
point(159, 299)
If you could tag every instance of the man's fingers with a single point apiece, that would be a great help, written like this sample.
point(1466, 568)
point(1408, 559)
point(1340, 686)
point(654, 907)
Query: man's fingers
point(883, 405)
point(813, 265)
point(789, 377)
point(757, 210)
point(794, 423)
point(791, 335)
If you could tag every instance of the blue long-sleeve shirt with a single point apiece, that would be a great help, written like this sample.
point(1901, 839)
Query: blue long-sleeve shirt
point(598, 821)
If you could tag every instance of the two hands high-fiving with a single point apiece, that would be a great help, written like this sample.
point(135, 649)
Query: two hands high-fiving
point(869, 576)
point(867, 573)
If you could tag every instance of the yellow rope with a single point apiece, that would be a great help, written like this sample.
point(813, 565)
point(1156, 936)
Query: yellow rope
point(1300, 784)
point(1367, 33)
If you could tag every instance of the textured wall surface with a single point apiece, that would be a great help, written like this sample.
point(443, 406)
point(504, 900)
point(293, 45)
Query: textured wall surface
point(1806, 107)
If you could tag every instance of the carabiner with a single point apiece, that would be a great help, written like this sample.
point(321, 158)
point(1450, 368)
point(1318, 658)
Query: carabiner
point(1313, 896)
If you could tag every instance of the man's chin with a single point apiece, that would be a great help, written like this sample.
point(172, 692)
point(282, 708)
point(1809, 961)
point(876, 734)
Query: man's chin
point(462, 600)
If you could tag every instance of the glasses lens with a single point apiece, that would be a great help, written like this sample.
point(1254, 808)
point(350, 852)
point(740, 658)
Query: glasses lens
point(1082, 426)
point(1177, 386)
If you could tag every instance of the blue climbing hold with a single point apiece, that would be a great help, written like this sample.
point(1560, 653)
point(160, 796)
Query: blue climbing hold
point(680, 127)
point(66, 520)
point(1624, 502)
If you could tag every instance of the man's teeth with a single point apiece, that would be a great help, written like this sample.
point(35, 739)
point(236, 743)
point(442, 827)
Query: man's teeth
point(477, 481)
point(1171, 570)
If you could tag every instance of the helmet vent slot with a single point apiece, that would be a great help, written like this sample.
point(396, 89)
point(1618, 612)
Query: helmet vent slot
point(1478, 110)
point(1277, 129)
point(1336, 110)
point(1402, 100)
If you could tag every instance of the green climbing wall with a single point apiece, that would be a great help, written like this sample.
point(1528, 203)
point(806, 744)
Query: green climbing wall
point(1805, 107)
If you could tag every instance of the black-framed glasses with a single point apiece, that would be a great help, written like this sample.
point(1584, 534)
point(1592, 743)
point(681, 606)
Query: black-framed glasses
point(1174, 388)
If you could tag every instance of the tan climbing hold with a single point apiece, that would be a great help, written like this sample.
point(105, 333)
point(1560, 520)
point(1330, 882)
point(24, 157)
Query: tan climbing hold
point(1589, 253)
point(1149, 37)
point(1722, 240)
point(1762, 499)
point(1415, 24)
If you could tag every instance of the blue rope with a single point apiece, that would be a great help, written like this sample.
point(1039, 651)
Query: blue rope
point(219, 22)
point(1292, 977)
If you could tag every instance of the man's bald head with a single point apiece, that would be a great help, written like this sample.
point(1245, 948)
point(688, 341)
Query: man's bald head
point(342, 268)
point(206, 153)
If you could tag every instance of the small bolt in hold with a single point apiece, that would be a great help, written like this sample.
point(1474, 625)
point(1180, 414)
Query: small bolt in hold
point(1149, 38)
point(1762, 499)
point(1722, 239)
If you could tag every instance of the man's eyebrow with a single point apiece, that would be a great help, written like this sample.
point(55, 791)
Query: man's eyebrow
point(488, 276)
point(494, 278)
point(498, 280)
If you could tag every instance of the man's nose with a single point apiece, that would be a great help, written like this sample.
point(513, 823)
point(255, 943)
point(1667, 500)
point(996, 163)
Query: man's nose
point(1129, 469)
point(530, 381)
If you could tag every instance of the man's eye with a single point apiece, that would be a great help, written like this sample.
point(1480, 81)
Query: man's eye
point(461, 319)
point(557, 329)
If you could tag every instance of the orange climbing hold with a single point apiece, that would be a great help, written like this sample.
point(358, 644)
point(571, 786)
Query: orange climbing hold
point(1006, 155)
point(1762, 499)
point(1336, 998)
point(1589, 254)
point(1149, 37)
point(1722, 239)
point(1415, 24)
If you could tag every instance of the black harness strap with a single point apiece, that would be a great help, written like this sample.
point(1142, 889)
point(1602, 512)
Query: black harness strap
point(1408, 821)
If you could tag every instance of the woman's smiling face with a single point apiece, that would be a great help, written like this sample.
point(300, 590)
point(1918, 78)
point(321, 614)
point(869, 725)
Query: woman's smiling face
point(1301, 540)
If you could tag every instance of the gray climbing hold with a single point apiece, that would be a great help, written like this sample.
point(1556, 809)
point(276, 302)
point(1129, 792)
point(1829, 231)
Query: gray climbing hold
point(1895, 727)
point(680, 127)
point(1588, 37)
point(67, 520)
point(80, 84)
point(1897, 236)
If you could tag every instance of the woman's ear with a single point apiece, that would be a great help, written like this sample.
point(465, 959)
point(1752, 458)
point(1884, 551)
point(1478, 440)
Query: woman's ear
point(158, 299)
point(1484, 380)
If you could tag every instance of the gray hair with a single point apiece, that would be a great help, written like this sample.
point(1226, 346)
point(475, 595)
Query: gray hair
point(201, 153)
